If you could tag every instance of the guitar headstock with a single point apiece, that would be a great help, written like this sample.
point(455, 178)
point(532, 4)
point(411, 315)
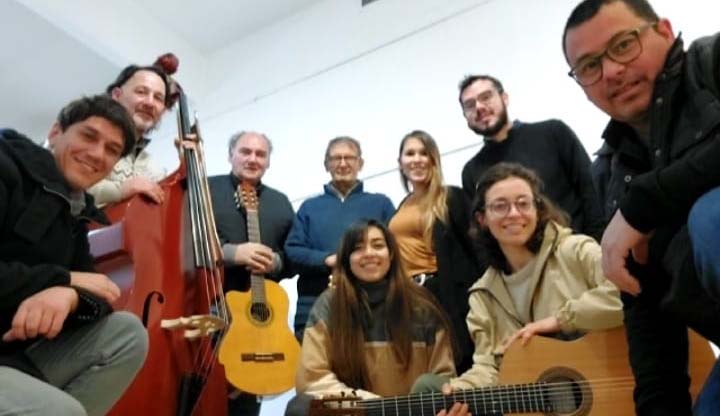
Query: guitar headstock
point(247, 196)
point(344, 405)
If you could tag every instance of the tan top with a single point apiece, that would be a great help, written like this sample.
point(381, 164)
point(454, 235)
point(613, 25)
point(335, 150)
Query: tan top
point(567, 282)
point(416, 253)
point(431, 353)
point(107, 190)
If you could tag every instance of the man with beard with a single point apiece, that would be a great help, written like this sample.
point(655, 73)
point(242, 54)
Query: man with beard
point(549, 148)
point(249, 155)
point(659, 179)
point(144, 92)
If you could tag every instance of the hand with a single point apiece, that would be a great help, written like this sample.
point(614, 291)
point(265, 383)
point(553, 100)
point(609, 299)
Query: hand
point(42, 314)
point(619, 239)
point(543, 326)
point(258, 258)
point(97, 284)
point(331, 261)
point(457, 409)
point(143, 186)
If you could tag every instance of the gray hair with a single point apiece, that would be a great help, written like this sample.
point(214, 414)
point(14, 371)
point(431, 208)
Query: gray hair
point(342, 139)
point(235, 137)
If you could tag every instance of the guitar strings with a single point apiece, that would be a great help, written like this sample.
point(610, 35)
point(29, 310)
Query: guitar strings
point(525, 397)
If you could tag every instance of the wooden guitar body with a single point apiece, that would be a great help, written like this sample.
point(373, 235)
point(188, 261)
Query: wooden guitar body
point(259, 352)
point(589, 376)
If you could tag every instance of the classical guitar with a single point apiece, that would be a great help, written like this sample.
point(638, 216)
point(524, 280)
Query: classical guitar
point(587, 376)
point(259, 352)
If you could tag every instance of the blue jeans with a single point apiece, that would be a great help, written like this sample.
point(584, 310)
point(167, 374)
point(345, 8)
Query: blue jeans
point(704, 230)
point(302, 312)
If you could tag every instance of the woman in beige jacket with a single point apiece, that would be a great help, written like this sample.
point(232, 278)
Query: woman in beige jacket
point(542, 279)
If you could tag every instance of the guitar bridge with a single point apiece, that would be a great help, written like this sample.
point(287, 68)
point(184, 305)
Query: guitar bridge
point(263, 357)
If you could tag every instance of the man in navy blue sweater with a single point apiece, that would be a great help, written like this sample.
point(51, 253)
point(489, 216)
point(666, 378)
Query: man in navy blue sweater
point(321, 221)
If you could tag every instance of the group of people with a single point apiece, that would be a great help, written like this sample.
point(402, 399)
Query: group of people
point(423, 298)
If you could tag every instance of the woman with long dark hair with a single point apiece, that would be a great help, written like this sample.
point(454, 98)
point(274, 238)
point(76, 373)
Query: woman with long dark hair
point(375, 332)
point(541, 279)
point(431, 227)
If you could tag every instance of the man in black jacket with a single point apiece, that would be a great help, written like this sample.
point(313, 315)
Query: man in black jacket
point(63, 351)
point(249, 155)
point(549, 147)
point(660, 156)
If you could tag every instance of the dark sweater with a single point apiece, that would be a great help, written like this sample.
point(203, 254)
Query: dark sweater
point(318, 227)
point(275, 215)
point(553, 151)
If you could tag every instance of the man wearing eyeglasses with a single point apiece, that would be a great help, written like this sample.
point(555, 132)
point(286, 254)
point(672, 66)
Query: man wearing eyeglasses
point(321, 221)
point(550, 148)
point(658, 174)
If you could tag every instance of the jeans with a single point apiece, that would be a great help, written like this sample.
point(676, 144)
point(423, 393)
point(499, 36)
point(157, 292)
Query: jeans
point(302, 312)
point(704, 230)
point(87, 368)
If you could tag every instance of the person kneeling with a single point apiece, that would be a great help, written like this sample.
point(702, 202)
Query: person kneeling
point(375, 333)
point(541, 279)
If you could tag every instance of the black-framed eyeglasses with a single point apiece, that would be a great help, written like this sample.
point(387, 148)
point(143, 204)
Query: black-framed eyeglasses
point(483, 98)
point(501, 207)
point(622, 48)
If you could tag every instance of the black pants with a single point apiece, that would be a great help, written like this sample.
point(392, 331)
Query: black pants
point(657, 320)
point(244, 404)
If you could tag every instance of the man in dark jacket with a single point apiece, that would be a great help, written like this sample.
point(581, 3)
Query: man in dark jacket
point(660, 156)
point(249, 155)
point(62, 350)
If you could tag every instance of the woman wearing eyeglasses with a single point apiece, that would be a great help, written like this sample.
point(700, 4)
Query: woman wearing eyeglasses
point(431, 226)
point(541, 278)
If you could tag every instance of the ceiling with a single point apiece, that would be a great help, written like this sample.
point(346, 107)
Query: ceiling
point(56, 51)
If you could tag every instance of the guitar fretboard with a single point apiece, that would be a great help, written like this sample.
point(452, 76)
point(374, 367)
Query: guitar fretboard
point(497, 400)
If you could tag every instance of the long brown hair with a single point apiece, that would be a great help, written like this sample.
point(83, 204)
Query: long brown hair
point(348, 309)
point(433, 204)
point(546, 211)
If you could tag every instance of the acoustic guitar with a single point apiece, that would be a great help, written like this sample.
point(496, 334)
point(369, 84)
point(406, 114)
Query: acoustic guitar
point(586, 376)
point(259, 352)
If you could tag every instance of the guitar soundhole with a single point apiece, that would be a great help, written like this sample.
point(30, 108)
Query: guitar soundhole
point(260, 312)
point(568, 392)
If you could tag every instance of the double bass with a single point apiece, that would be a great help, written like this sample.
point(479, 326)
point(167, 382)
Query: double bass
point(167, 261)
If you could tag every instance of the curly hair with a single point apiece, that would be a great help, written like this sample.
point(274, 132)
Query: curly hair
point(486, 243)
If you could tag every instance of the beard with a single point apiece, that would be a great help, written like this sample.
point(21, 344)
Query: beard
point(494, 128)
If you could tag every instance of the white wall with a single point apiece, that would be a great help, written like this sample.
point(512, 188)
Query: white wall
point(378, 72)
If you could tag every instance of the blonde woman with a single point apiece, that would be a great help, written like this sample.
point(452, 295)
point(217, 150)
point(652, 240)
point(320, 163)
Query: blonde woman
point(431, 226)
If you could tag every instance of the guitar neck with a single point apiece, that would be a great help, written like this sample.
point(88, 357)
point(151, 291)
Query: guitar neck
point(495, 400)
point(257, 282)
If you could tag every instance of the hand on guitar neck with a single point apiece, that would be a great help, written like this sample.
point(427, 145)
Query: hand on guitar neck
point(257, 258)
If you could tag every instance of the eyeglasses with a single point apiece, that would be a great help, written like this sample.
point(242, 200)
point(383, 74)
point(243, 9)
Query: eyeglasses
point(622, 48)
point(501, 207)
point(483, 98)
point(337, 159)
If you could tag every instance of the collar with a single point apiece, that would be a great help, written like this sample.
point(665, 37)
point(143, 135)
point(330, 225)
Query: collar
point(515, 125)
point(236, 181)
point(331, 190)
